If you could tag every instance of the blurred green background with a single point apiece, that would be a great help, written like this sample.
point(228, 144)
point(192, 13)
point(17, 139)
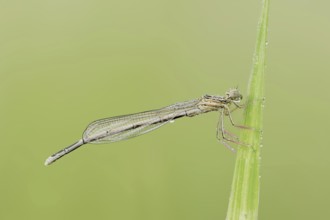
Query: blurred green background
point(66, 63)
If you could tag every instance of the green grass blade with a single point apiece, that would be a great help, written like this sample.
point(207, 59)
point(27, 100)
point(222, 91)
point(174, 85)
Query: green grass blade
point(244, 198)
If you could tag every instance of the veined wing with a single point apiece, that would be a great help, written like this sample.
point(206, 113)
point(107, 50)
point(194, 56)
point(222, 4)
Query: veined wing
point(128, 126)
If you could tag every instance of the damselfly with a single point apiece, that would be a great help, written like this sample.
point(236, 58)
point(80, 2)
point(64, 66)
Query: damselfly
point(128, 126)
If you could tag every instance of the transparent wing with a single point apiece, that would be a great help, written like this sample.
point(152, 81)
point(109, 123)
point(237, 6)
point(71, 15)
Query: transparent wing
point(128, 126)
point(129, 133)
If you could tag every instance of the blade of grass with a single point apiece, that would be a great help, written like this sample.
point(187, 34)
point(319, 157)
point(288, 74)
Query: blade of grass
point(244, 198)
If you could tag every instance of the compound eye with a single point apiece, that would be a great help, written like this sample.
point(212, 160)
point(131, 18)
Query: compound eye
point(238, 98)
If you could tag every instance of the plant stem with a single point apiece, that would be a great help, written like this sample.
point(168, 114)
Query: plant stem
point(244, 198)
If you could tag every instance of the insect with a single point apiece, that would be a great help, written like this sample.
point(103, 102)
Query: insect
point(123, 127)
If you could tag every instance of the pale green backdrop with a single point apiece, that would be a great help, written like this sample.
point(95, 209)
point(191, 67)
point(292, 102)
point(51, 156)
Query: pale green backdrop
point(66, 63)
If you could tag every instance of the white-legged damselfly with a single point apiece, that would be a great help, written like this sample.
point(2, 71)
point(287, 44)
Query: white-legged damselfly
point(127, 126)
